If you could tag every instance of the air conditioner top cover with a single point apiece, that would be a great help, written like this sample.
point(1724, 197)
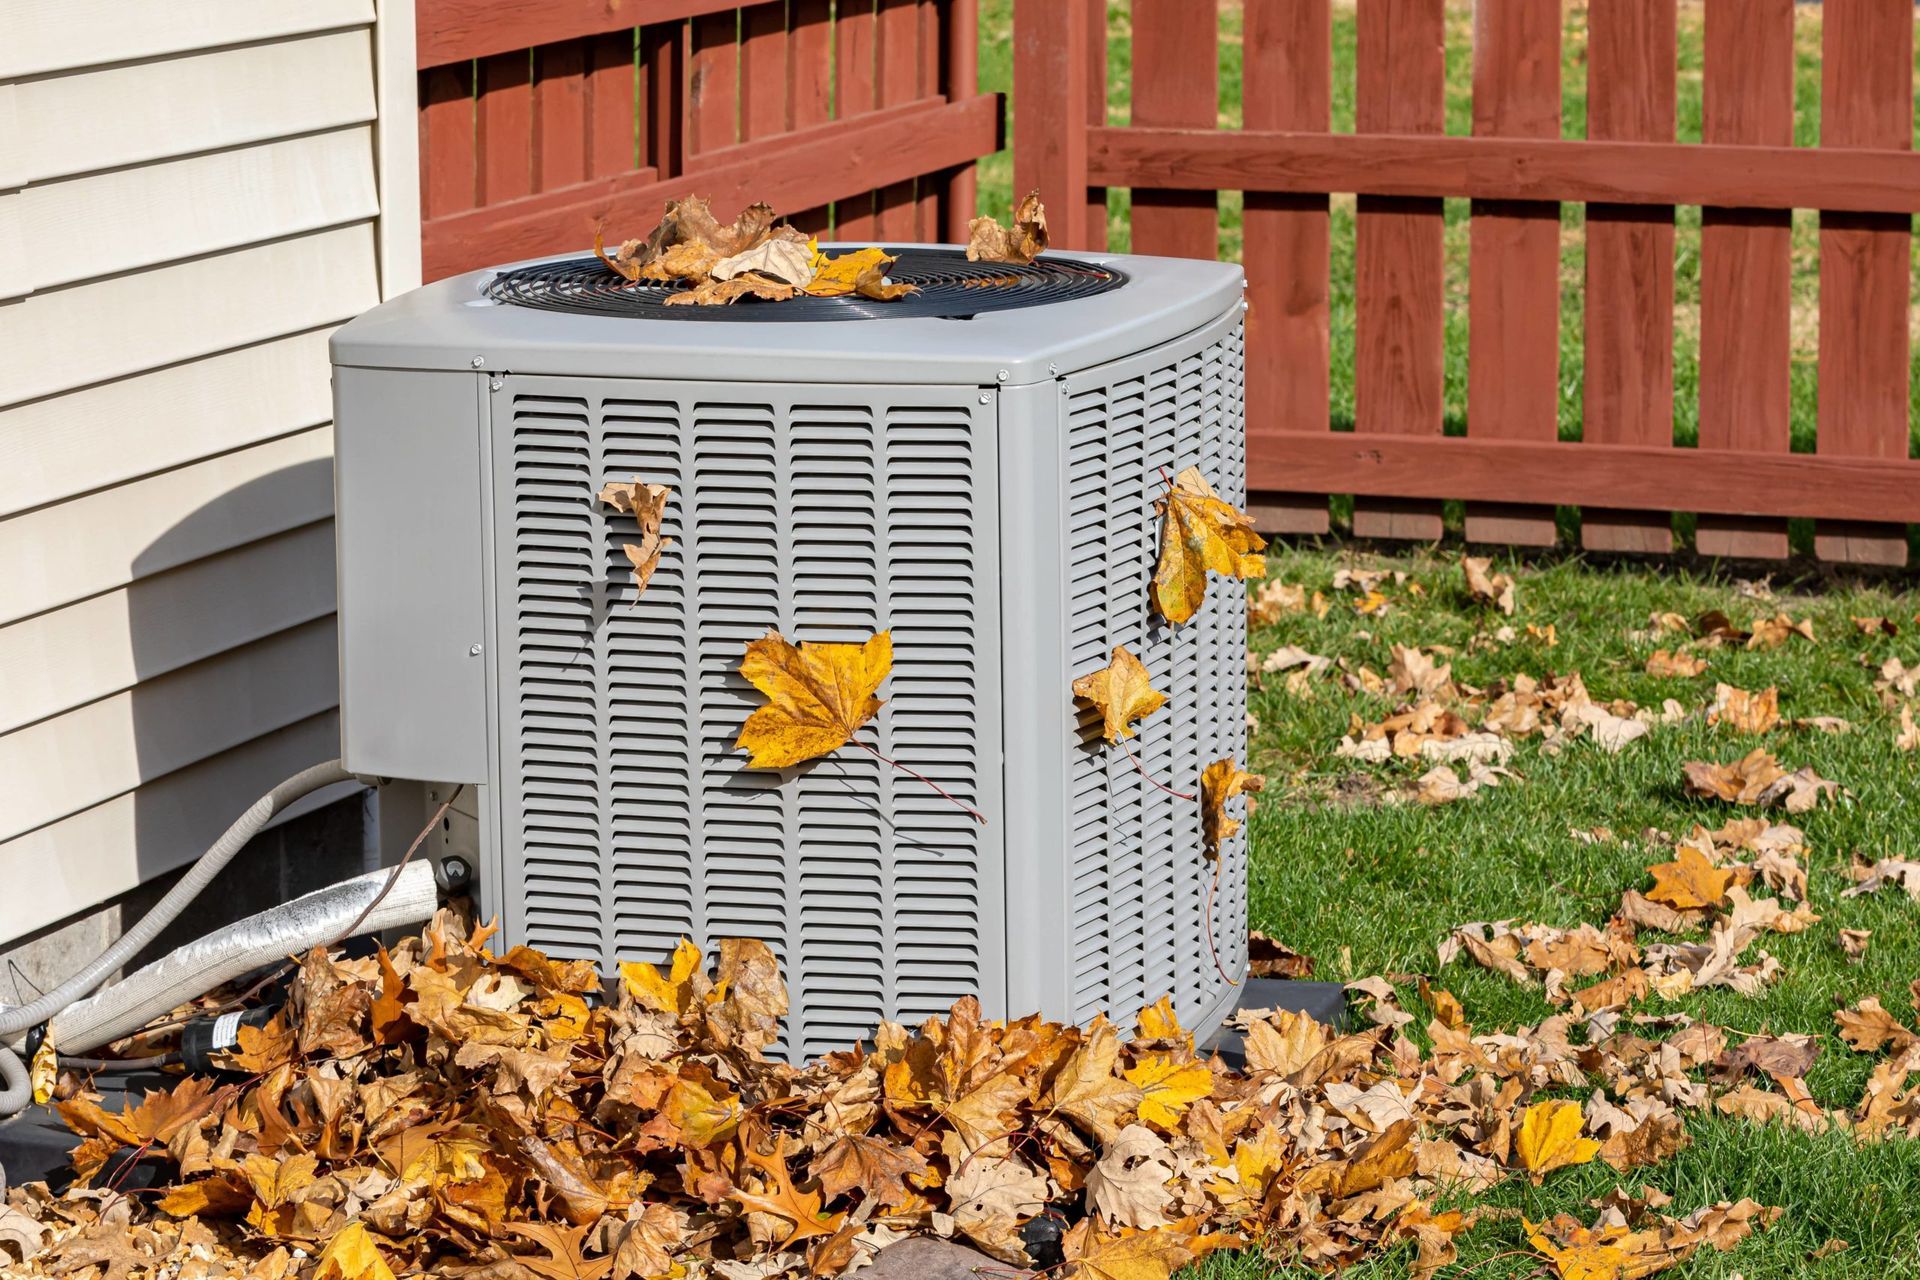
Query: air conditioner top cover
point(983, 324)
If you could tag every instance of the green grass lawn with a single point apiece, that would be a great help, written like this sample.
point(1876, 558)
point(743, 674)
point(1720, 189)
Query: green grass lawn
point(996, 73)
point(1371, 888)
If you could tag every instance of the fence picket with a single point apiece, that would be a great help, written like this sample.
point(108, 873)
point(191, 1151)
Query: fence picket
point(810, 85)
point(1866, 99)
point(1745, 267)
point(1054, 45)
point(447, 171)
point(611, 102)
point(958, 63)
point(1628, 392)
point(1176, 66)
point(559, 115)
point(898, 72)
point(1288, 76)
point(1513, 318)
point(713, 87)
point(663, 57)
point(856, 90)
point(1398, 358)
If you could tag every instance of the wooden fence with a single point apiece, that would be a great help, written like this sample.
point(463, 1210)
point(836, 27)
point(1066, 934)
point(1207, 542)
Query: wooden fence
point(539, 118)
point(1625, 472)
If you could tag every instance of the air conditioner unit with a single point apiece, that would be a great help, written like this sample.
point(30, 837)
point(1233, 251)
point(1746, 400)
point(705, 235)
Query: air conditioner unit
point(973, 468)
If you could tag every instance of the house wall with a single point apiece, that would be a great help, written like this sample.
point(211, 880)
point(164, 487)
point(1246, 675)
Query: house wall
point(192, 196)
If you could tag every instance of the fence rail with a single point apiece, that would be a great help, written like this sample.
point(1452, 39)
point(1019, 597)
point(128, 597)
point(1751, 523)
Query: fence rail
point(1626, 473)
point(541, 118)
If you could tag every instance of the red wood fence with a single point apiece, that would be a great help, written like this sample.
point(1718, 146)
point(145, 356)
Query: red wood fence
point(539, 118)
point(1626, 472)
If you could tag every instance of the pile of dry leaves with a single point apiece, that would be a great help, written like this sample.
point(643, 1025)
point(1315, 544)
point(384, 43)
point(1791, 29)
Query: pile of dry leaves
point(444, 1110)
point(717, 264)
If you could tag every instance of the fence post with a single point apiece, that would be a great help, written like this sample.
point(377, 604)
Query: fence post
point(1050, 77)
point(1176, 72)
point(962, 44)
point(1866, 100)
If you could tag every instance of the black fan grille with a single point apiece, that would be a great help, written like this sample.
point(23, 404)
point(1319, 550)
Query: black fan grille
point(950, 288)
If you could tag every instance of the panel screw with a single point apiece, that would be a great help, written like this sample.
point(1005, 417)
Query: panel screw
point(473, 651)
point(1053, 368)
point(1004, 375)
point(495, 384)
point(479, 362)
point(1244, 304)
point(986, 399)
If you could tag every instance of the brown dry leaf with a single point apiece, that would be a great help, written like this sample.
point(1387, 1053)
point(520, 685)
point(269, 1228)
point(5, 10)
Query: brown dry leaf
point(1128, 1186)
point(1689, 882)
point(1854, 943)
point(1678, 663)
point(1871, 877)
point(1088, 1090)
point(1868, 1027)
point(1771, 633)
point(1876, 626)
point(722, 293)
point(565, 1249)
point(786, 259)
point(691, 261)
point(1270, 958)
point(1122, 692)
point(818, 696)
point(988, 241)
point(1487, 586)
point(1277, 599)
point(1220, 782)
point(874, 1167)
point(1907, 736)
point(1200, 531)
point(779, 1197)
point(1744, 781)
point(1745, 712)
point(647, 504)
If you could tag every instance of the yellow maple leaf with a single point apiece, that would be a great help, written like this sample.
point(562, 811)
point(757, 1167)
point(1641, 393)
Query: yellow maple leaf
point(1158, 1021)
point(837, 277)
point(818, 696)
point(671, 993)
point(45, 1072)
point(1153, 1254)
point(1689, 881)
point(1586, 1258)
point(1200, 531)
point(1122, 691)
point(705, 1117)
point(351, 1255)
point(1220, 782)
point(1168, 1087)
point(1550, 1139)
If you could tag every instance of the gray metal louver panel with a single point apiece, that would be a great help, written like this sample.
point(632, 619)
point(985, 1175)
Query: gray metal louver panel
point(1138, 883)
point(629, 819)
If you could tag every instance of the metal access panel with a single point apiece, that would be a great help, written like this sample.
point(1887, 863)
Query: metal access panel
point(626, 817)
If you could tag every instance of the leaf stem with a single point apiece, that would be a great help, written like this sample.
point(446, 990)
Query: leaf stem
point(1213, 885)
point(962, 805)
point(1178, 795)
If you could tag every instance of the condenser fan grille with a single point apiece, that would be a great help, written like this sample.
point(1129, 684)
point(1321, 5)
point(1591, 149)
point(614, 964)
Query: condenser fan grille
point(950, 288)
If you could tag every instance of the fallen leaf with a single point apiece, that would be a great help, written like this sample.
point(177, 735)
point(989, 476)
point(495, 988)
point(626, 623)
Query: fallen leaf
point(723, 293)
point(1742, 782)
point(988, 241)
point(1689, 881)
point(1269, 958)
point(818, 696)
point(779, 1197)
point(566, 1258)
point(1167, 1088)
point(352, 1255)
point(1487, 586)
point(1550, 1139)
point(1128, 1186)
point(1876, 626)
point(1771, 633)
point(1678, 663)
point(780, 258)
point(1220, 782)
point(1854, 943)
point(1122, 692)
point(1200, 531)
point(1745, 712)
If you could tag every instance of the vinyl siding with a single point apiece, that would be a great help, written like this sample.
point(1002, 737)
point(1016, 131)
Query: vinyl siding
point(192, 197)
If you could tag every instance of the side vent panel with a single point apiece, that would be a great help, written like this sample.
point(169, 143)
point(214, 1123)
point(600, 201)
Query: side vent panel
point(629, 819)
point(1139, 884)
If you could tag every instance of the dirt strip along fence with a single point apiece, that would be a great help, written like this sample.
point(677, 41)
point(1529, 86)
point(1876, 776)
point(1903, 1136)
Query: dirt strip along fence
point(541, 118)
point(1510, 467)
